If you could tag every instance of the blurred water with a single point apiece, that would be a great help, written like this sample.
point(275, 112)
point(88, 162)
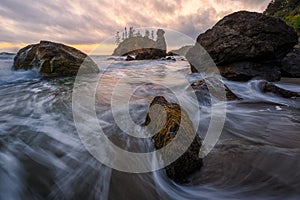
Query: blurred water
point(42, 157)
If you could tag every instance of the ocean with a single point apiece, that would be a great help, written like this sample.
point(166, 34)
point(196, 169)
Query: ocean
point(42, 155)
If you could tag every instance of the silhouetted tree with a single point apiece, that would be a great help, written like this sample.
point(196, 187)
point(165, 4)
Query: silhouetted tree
point(125, 32)
point(117, 38)
point(131, 32)
point(138, 33)
point(147, 33)
point(152, 34)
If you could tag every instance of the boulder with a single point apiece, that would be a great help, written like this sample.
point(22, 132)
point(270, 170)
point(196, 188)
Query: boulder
point(290, 65)
point(176, 118)
point(267, 87)
point(54, 60)
point(246, 40)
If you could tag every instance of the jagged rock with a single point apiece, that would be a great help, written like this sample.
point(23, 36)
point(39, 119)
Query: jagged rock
point(187, 163)
point(54, 59)
point(290, 65)
point(267, 87)
point(246, 40)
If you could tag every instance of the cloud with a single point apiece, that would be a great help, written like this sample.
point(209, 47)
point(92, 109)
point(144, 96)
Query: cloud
point(91, 21)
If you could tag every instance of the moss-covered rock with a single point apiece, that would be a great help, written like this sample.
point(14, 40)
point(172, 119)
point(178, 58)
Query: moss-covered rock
point(176, 118)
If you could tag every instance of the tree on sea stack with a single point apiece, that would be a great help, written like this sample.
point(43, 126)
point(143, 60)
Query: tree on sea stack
point(142, 47)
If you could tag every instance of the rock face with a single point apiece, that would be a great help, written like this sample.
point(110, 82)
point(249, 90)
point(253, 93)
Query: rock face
point(187, 163)
point(244, 71)
point(247, 41)
point(54, 59)
point(290, 65)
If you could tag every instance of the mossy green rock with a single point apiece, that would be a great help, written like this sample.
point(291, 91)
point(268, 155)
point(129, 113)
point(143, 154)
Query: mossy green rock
point(176, 118)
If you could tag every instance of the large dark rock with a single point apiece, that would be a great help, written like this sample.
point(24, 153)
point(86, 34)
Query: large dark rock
point(244, 71)
point(54, 59)
point(290, 65)
point(246, 40)
point(176, 118)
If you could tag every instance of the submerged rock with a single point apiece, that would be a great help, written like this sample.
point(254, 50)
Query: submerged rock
point(246, 41)
point(267, 87)
point(204, 96)
point(176, 118)
point(54, 59)
point(129, 58)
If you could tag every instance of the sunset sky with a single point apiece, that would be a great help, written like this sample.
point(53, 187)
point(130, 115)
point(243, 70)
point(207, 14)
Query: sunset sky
point(86, 24)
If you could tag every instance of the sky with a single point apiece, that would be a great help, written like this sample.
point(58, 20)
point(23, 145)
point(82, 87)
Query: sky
point(87, 24)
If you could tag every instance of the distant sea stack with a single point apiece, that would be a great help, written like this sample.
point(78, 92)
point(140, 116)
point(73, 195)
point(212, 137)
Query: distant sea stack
point(245, 45)
point(54, 60)
point(142, 47)
point(182, 51)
